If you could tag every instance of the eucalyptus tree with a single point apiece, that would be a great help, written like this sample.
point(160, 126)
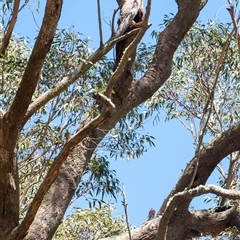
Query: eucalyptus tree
point(61, 102)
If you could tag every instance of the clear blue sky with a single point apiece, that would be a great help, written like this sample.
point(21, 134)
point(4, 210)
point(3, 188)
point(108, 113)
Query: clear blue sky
point(149, 179)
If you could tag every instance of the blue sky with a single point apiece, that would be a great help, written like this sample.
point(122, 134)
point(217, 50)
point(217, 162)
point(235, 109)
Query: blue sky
point(149, 179)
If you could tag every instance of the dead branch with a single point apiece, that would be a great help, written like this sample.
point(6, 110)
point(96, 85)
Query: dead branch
point(100, 22)
point(128, 51)
point(125, 205)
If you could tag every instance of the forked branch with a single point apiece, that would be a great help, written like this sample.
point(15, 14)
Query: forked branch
point(106, 113)
point(69, 79)
point(186, 195)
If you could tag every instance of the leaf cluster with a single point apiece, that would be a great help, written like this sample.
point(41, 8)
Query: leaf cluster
point(196, 66)
point(90, 224)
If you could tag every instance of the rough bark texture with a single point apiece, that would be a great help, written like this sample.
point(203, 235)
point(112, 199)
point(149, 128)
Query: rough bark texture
point(50, 208)
point(49, 217)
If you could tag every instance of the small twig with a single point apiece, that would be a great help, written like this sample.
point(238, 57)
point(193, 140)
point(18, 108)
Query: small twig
point(221, 171)
point(34, 19)
point(125, 205)
point(113, 19)
point(24, 4)
point(100, 23)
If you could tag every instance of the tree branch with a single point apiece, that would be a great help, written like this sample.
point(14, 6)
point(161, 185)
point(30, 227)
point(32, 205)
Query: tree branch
point(107, 112)
point(125, 205)
point(100, 22)
point(178, 198)
point(11, 24)
point(72, 77)
point(168, 41)
point(128, 51)
point(113, 19)
point(13, 118)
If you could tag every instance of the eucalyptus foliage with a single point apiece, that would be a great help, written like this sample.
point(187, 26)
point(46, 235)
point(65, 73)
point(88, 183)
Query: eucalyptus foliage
point(206, 61)
point(49, 128)
point(90, 224)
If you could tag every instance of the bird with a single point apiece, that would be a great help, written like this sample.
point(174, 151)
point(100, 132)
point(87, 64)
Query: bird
point(151, 214)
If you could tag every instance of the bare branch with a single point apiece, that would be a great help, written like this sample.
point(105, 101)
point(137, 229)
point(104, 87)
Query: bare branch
point(113, 19)
point(100, 22)
point(125, 205)
point(8, 34)
point(221, 171)
point(22, 99)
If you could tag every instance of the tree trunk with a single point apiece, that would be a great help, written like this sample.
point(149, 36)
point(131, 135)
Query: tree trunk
point(9, 192)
